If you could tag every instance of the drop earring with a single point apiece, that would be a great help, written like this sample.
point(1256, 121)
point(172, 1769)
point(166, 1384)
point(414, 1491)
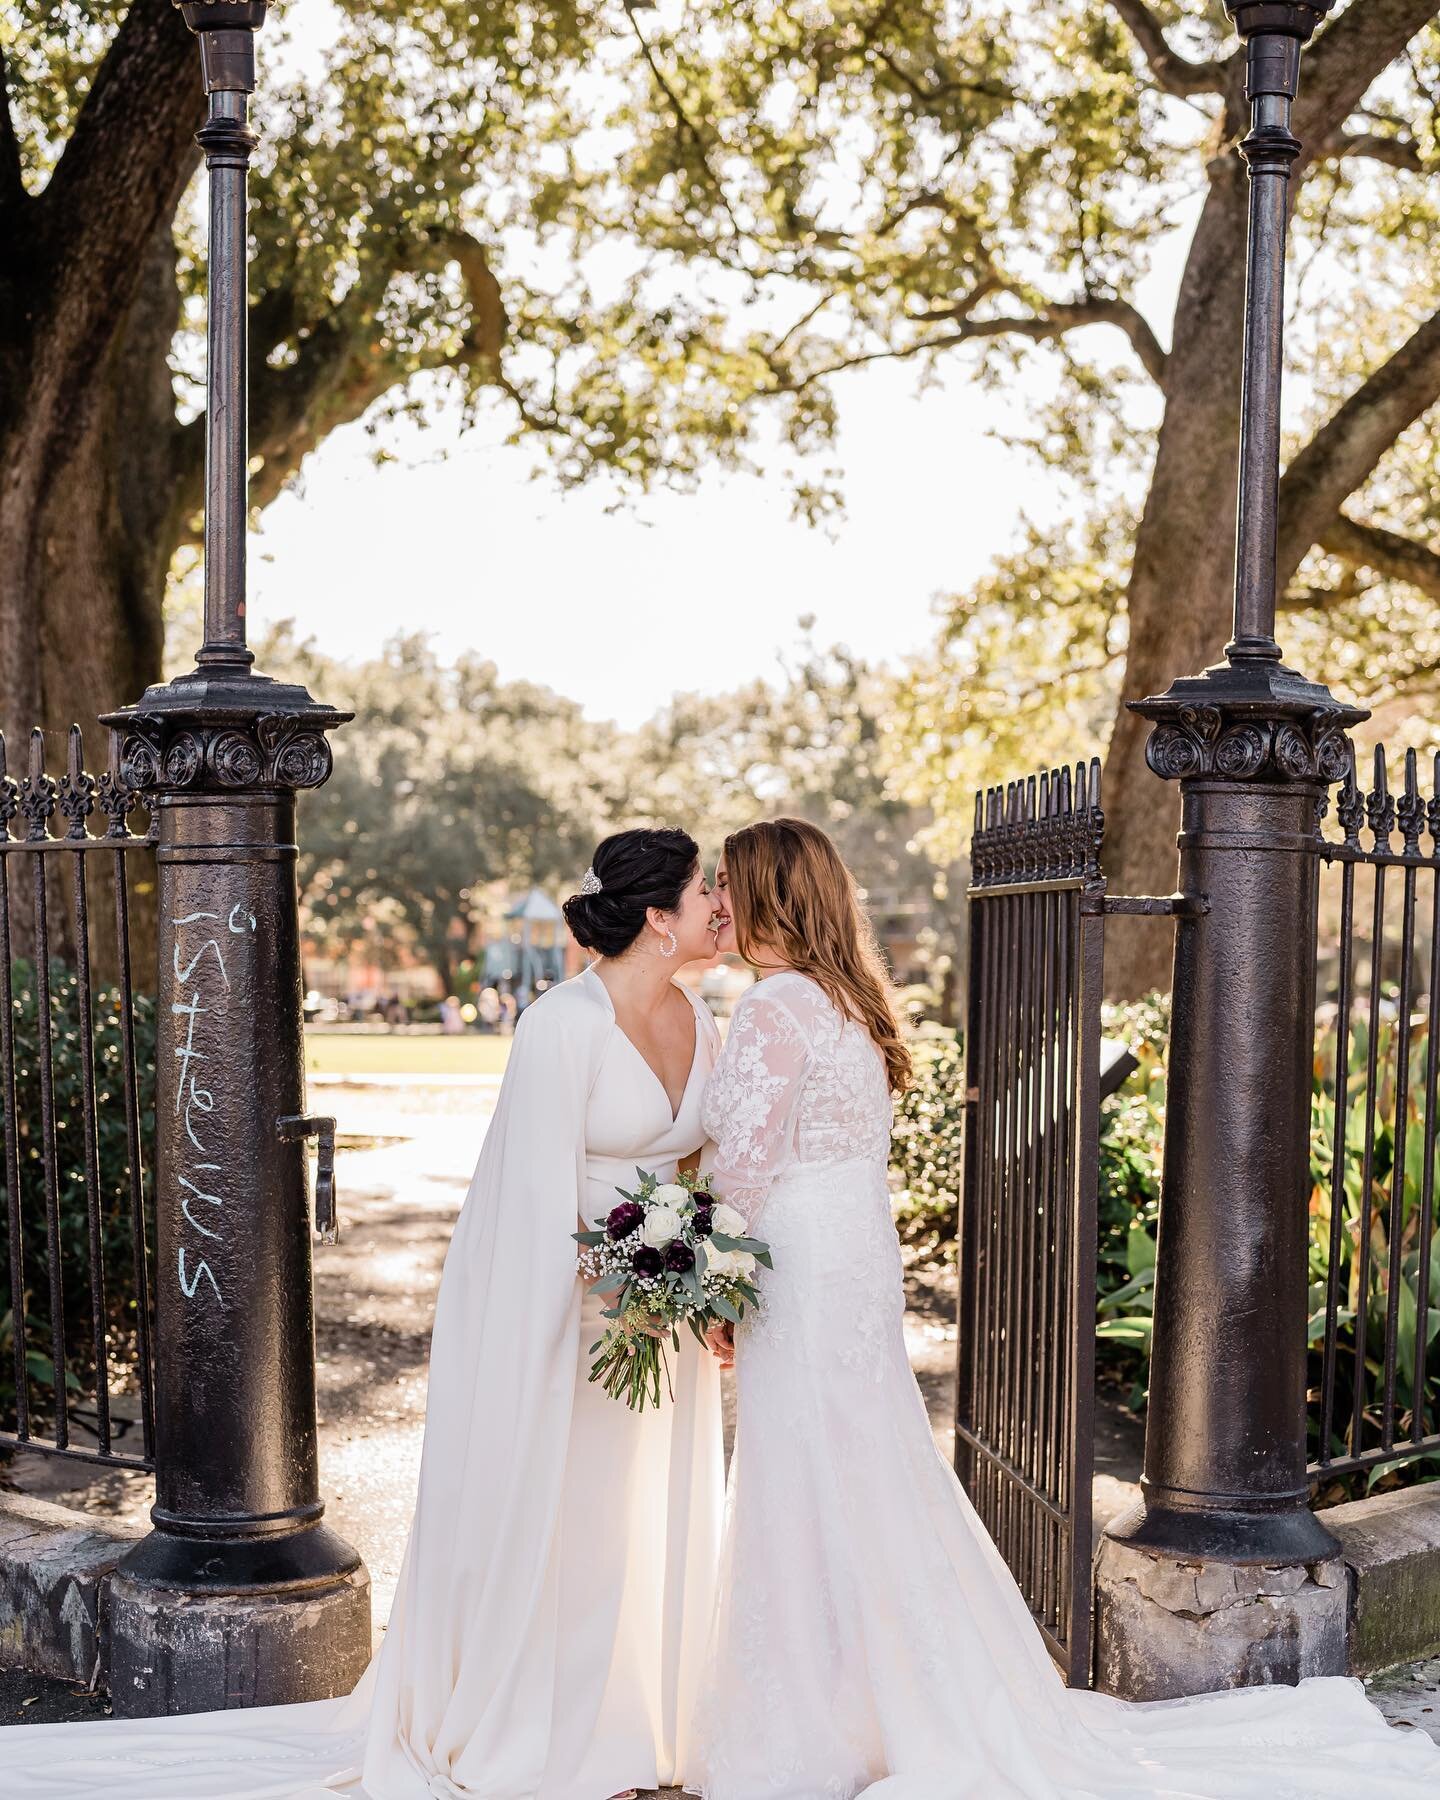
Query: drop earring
point(670, 948)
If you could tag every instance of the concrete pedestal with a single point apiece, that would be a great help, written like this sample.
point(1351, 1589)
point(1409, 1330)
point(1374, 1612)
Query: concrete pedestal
point(1167, 1625)
point(175, 1651)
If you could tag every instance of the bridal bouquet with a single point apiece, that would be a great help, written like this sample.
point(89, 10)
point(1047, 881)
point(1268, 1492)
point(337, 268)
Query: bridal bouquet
point(671, 1255)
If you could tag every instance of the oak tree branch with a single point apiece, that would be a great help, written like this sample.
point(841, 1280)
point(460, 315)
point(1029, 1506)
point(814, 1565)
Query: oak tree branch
point(1351, 443)
point(1173, 73)
point(1043, 327)
point(1387, 553)
point(1347, 57)
point(1398, 152)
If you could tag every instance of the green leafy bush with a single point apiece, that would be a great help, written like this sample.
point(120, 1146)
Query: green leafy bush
point(1389, 1214)
point(116, 1232)
point(1132, 1136)
point(925, 1152)
point(926, 1174)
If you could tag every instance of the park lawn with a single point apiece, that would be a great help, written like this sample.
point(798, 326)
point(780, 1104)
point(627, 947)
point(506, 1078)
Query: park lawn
point(344, 1053)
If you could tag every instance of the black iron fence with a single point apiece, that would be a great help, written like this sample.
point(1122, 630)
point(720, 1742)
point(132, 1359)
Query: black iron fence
point(1025, 1392)
point(77, 1074)
point(1375, 1298)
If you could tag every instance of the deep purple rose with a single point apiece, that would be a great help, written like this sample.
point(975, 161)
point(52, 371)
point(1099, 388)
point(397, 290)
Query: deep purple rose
point(646, 1261)
point(701, 1222)
point(624, 1219)
point(679, 1258)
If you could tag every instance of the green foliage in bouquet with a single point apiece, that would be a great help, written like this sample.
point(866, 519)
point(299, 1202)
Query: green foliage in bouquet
point(114, 1183)
point(666, 1257)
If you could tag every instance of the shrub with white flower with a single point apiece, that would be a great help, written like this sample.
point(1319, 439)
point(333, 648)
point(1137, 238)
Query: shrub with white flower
point(671, 1255)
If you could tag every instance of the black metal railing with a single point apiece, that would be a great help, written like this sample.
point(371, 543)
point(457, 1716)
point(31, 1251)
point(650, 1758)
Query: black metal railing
point(1025, 1391)
point(1375, 1297)
point(76, 1091)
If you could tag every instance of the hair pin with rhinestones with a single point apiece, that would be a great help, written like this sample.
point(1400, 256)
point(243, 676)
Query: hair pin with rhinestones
point(589, 882)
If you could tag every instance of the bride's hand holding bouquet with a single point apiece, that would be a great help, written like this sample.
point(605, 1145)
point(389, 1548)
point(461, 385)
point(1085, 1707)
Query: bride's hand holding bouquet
point(671, 1255)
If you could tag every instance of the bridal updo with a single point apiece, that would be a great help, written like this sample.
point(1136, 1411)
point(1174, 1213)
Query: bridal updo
point(635, 871)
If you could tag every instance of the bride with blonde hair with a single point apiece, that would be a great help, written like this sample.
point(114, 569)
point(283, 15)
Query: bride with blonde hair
point(869, 1638)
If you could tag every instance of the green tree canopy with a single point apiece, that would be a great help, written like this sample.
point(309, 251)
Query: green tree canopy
point(659, 235)
point(406, 251)
point(983, 191)
point(449, 779)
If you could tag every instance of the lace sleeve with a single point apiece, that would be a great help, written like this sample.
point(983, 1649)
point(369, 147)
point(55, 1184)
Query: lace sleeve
point(750, 1101)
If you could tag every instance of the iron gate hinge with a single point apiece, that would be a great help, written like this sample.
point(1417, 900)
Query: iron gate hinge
point(306, 1125)
point(1146, 906)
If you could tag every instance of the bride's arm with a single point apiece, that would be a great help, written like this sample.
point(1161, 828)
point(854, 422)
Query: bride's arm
point(750, 1106)
point(750, 1101)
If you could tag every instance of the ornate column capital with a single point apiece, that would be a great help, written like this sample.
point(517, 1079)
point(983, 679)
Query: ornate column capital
point(1249, 722)
point(207, 736)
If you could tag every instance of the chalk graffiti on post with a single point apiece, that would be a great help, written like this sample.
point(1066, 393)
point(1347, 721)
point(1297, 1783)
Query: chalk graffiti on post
point(193, 1100)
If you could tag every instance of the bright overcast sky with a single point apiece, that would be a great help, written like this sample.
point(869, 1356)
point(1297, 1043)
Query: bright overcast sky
point(618, 608)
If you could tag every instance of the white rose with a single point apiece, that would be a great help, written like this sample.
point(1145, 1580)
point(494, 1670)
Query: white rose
point(730, 1263)
point(662, 1226)
point(670, 1193)
point(727, 1221)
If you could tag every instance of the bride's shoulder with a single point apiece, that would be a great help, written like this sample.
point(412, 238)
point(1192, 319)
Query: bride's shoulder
point(570, 1005)
point(788, 995)
point(702, 1011)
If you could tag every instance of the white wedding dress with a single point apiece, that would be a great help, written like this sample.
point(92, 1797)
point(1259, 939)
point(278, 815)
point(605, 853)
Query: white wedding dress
point(548, 1632)
point(869, 1637)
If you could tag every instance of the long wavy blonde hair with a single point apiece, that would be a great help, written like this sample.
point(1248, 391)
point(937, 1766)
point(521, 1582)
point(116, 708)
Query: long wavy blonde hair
point(791, 893)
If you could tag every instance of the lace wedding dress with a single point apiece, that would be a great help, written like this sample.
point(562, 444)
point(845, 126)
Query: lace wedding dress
point(869, 1637)
point(548, 1632)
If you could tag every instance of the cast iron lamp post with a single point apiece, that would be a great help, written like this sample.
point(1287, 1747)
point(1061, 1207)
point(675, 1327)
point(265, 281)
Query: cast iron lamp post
point(1223, 1575)
point(240, 1595)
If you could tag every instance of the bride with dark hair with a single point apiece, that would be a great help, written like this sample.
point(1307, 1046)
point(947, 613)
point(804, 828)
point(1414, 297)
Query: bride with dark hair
point(550, 1617)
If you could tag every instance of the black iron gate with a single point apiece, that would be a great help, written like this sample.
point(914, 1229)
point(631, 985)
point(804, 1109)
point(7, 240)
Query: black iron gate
point(1375, 1131)
point(1025, 1393)
point(77, 1079)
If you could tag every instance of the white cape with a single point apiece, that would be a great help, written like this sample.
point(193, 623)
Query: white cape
point(460, 1690)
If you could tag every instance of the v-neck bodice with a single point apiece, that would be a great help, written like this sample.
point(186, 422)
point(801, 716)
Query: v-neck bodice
point(628, 1123)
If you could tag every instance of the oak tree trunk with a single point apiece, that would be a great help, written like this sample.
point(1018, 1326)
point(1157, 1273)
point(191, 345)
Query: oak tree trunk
point(88, 514)
point(1181, 584)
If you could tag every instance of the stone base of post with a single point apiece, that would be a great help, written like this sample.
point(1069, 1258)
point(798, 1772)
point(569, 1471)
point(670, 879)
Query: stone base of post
point(183, 1649)
point(1169, 1623)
